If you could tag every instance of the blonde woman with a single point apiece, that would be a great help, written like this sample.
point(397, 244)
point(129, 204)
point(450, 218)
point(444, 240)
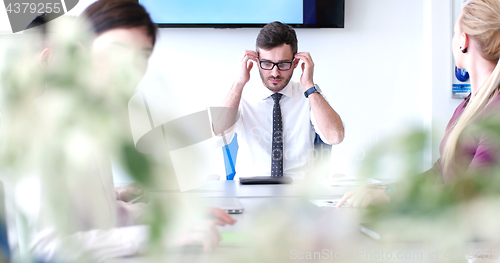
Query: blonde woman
point(476, 48)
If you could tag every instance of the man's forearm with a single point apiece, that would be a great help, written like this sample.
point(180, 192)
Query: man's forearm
point(227, 118)
point(328, 121)
point(233, 98)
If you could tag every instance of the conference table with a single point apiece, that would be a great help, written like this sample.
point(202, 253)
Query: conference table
point(257, 199)
point(281, 224)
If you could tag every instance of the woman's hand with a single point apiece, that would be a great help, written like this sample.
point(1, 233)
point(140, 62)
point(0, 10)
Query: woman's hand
point(220, 217)
point(366, 195)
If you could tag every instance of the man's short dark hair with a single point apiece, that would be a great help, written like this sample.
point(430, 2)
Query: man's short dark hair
point(105, 15)
point(276, 34)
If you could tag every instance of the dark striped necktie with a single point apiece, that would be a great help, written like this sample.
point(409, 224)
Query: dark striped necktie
point(277, 146)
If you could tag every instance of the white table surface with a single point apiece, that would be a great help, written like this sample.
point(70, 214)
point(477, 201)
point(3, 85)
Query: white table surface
point(235, 189)
point(281, 220)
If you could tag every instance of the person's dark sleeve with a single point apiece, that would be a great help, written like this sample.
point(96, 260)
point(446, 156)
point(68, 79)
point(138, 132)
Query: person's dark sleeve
point(435, 173)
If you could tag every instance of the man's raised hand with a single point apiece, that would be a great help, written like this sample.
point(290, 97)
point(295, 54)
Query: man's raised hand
point(246, 65)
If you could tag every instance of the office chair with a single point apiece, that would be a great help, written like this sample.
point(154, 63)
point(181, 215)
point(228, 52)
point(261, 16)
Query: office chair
point(322, 151)
point(230, 153)
point(4, 241)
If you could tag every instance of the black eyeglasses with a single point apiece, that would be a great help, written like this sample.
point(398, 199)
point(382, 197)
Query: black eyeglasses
point(268, 65)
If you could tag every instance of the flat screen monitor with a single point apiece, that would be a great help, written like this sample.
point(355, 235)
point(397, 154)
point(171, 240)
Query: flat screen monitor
point(246, 13)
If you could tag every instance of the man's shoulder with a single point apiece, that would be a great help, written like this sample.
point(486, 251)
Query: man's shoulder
point(295, 90)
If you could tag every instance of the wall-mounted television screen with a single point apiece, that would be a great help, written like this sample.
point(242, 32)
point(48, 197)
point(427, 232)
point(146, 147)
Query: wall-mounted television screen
point(246, 13)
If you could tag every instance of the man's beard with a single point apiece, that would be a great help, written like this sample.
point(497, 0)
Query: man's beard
point(272, 87)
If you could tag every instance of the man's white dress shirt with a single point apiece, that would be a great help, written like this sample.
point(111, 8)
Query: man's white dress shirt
point(255, 127)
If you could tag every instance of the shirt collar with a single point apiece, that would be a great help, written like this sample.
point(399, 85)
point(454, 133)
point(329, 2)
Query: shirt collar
point(287, 91)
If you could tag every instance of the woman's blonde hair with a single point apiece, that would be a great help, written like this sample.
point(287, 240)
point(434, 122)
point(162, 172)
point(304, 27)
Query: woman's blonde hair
point(481, 22)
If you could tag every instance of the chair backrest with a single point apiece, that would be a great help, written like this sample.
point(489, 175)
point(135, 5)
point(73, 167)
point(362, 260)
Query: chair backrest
point(323, 152)
point(230, 153)
point(4, 241)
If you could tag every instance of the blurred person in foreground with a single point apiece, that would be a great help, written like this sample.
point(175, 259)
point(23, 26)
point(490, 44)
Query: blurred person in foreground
point(79, 125)
point(466, 149)
point(39, 26)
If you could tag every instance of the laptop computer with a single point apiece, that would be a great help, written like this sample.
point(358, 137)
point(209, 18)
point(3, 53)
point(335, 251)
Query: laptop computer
point(229, 204)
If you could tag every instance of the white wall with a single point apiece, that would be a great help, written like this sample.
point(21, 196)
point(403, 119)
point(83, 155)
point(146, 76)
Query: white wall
point(440, 16)
point(371, 72)
point(4, 20)
point(390, 67)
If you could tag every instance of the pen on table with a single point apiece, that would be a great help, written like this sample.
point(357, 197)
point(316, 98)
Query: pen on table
point(137, 198)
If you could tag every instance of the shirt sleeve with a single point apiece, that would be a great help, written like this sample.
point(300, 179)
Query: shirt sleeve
point(315, 125)
point(433, 176)
point(485, 156)
point(227, 138)
point(93, 229)
point(97, 245)
point(129, 214)
point(435, 173)
point(480, 142)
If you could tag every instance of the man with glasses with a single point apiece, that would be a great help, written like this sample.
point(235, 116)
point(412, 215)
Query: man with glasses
point(278, 122)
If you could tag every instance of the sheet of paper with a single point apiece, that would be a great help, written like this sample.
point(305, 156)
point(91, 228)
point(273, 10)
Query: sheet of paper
point(350, 181)
point(327, 202)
